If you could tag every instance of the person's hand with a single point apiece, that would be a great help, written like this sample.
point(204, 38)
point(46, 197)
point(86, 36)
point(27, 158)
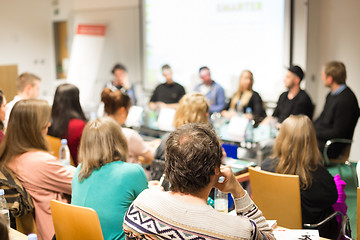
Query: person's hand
point(125, 82)
point(154, 143)
point(155, 184)
point(230, 184)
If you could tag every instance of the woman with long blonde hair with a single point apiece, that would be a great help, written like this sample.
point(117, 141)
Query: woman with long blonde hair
point(192, 108)
point(296, 152)
point(245, 99)
point(25, 152)
point(103, 180)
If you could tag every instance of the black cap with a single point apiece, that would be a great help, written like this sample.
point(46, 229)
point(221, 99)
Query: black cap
point(297, 71)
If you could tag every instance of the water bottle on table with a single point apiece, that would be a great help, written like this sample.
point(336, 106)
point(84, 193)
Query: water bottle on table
point(64, 153)
point(4, 208)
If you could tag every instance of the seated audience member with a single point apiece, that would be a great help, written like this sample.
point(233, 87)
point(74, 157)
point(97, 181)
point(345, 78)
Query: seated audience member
point(212, 90)
point(103, 180)
point(341, 111)
point(4, 231)
point(166, 94)
point(244, 99)
point(193, 108)
point(296, 153)
point(25, 152)
point(121, 81)
point(27, 86)
point(2, 114)
point(192, 166)
point(117, 105)
point(295, 101)
point(67, 117)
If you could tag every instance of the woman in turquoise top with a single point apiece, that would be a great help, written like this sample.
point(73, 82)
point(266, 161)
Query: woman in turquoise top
point(104, 181)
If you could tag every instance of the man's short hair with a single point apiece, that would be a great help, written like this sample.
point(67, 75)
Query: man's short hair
point(165, 67)
point(204, 67)
point(26, 79)
point(336, 70)
point(192, 153)
point(118, 66)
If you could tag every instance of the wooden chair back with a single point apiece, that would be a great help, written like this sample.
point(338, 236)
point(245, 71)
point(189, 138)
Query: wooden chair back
point(277, 196)
point(74, 222)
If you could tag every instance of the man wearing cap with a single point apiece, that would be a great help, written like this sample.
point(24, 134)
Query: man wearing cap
point(341, 111)
point(295, 101)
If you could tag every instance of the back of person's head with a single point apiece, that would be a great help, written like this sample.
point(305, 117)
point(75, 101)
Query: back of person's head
point(193, 108)
point(118, 66)
point(4, 231)
point(102, 142)
point(1, 103)
point(297, 149)
point(66, 106)
point(192, 153)
point(114, 100)
point(24, 80)
point(26, 128)
point(336, 70)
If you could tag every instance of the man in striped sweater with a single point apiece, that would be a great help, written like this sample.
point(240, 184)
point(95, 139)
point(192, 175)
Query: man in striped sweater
point(193, 157)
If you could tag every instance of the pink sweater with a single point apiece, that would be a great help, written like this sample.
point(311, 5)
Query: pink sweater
point(45, 179)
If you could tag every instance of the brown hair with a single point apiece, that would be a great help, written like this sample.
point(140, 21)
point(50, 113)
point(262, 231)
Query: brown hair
point(192, 153)
point(336, 70)
point(114, 100)
point(102, 142)
point(243, 96)
point(26, 79)
point(28, 119)
point(297, 149)
point(193, 108)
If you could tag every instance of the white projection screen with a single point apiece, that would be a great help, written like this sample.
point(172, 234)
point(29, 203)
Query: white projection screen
point(228, 36)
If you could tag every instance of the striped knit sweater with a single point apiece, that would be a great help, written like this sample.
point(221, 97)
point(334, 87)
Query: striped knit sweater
point(158, 215)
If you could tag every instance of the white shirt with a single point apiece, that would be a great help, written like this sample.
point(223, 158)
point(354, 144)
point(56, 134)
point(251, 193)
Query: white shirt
point(9, 106)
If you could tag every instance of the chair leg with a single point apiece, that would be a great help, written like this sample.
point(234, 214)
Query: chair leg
point(353, 172)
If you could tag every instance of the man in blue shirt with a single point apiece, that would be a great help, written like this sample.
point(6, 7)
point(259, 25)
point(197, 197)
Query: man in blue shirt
point(212, 90)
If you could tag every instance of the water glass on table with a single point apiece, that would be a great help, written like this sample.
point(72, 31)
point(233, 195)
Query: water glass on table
point(221, 201)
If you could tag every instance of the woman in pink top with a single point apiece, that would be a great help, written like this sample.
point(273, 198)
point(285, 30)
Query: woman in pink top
point(117, 105)
point(25, 151)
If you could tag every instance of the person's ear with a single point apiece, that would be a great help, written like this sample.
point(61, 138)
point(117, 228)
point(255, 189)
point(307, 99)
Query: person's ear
point(217, 170)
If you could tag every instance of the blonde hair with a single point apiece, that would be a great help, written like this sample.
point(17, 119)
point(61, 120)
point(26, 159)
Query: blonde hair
point(28, 119)
point(26, 79)
point(297, 149)
point(337, 70)
point(243, 96)
point(102, 142)
point(193, 108)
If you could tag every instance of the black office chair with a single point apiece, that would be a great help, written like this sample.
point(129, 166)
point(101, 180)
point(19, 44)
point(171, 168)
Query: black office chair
point(344, 231)
point(343, 157)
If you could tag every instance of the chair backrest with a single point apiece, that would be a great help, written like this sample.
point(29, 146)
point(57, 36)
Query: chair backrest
point(358, 213)
point(54, 144)
point(74, 222)
point(277, 196)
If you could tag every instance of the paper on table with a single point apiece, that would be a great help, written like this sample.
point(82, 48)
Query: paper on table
point(296, 234)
